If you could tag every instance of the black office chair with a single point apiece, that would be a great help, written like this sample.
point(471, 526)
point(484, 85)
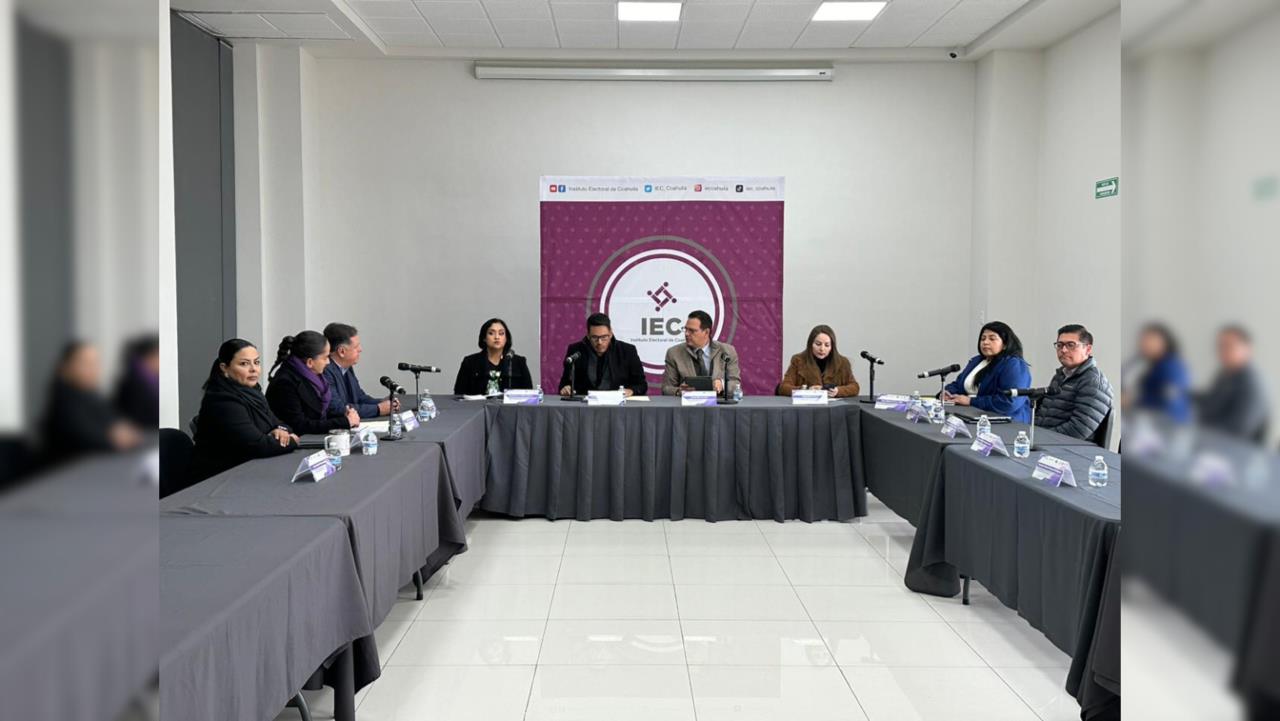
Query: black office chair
point(175, 459)
point(1102, 434)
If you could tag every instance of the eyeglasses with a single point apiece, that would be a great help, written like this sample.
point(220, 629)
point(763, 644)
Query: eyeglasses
point(690, 331)
point(1069, 345)
point(599, 338)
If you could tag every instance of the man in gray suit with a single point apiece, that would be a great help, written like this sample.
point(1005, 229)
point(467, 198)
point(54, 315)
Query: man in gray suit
point(700, 355)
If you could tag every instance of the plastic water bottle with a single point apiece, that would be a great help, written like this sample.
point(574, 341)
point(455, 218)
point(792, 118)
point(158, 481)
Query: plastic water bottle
point(1098, 472)
point(984, 424)
point(369, 444)
point(424, 410)
point(540, 394)
point(915, 396)
point(936, 414)
point(394, 428)
point(1021, 445)
point(737, 393)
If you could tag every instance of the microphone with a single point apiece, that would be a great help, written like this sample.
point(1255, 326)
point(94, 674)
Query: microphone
point(573, 358)
point(1031, 392)
point(391, 385)
point(413, 368)
point(867, 356)
point(940, 371)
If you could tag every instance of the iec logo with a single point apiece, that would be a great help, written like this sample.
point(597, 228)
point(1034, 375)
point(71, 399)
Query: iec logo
point(648, 188)
point(661, 296)
point(553, 188)
point(561, 188)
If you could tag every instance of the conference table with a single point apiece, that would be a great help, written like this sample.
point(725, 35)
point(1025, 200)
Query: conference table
point(764, 458)
point(1204, 532)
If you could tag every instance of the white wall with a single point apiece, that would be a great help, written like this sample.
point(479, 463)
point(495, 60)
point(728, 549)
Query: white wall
point(11, 415)
point(421, 185)
point(167, 271)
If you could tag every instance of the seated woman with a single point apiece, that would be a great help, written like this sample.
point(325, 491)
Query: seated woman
point(235, 423)
point(1159, 375)
point(998, 367)
point(298, 393)
point(820, 367)
point(495, 368)
point(78, 420)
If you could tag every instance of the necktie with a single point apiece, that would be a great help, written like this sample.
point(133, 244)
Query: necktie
point(706, 361)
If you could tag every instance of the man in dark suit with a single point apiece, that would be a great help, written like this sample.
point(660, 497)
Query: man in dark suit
point(603, 362)
point(340, 374)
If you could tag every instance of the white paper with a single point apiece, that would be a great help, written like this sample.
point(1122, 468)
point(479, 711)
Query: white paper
point(605, 398)
point(375, 426)
point(474, 398)
point(808, 397)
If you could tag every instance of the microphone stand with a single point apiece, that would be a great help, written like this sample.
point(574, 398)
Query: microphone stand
point(417, 392)
point(1035, 402)
point(728, 397)
point(573, 391)
point(871, 392)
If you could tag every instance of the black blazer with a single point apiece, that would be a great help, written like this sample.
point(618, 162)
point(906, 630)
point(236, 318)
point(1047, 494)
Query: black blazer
point(473, 375)
point(624, 366)
point(76, 423)
point(296, 403)
point(229, 432)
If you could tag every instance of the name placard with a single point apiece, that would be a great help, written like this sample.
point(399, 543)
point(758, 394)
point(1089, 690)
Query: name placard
point(1054, 472)
point(918, 412)
point(954, 426)
point(313, 468)
point(1213, 470)
point(809, 397)
point(698, 398)
point(409, 420)
point(987, 443)
point(520, 397)
point(606, 398)
point(892, 402)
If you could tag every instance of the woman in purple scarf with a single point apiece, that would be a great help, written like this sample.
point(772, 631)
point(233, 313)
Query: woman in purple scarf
point(297, 392)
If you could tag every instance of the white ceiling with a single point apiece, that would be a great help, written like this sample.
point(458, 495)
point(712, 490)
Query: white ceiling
point(401, 27)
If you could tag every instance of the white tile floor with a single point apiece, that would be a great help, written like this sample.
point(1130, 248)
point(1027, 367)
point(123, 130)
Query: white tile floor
point(692, 620)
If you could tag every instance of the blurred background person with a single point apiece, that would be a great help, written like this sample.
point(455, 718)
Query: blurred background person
point(78, 420)
point(1157, 379)
point(1236, 401)
point(137, 397)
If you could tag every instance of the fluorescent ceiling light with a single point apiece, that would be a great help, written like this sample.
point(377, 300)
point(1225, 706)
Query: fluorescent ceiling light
point(843, 11)
point(650, 12)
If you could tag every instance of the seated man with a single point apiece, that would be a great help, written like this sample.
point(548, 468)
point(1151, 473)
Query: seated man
point(1236, 402)
point(1084, 395)
point(700, 355)
point(340, 374)
point(603, 362)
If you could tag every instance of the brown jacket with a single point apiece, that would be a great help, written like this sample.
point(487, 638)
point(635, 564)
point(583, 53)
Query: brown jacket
point(804, 373)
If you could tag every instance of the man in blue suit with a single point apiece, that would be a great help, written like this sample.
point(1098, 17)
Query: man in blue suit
point(340, 374)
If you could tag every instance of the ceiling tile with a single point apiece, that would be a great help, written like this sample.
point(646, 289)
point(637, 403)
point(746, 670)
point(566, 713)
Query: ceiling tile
point(469, 40)
point(243, 25)
point(588, 34)
point(524, 27)
point(715, 12)
point(518, 10)
point(420, 40)
point(384, 8)
point(768, 35)
point(698, 35)
point(656, 36)
point(830, 34)
point(461, 27)
point(584, 11)
point(966, 22)
point(434, 11)
point(902, 21)
point(306, 25)
point(782, 12)
point(398, 25)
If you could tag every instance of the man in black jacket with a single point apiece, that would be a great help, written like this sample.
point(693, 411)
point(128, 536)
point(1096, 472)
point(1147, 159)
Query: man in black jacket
point(603, 362)
point(1236, 402)
point(1084, 395)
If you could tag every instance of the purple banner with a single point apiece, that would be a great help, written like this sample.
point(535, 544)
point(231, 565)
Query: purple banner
point(648, 264)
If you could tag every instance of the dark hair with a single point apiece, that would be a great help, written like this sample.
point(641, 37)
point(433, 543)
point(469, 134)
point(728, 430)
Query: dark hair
point(808, 348)
point(1012, 345)
point(226, 353)
point(141, 347)
point(339, 334)
point(1238, 331)
point(69, 349)
point(599, 319)
point(1085, 336)
point(484, 330)
point(1162, 330)
point(307, 344)
point(703, 317)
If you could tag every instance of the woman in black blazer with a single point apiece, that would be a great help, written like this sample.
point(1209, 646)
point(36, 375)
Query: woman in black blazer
point(495, 368)
point(298, 393)
point(235, 423)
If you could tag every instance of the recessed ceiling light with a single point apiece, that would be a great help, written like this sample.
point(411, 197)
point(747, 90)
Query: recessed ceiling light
point(847, 11)
point(649, 12)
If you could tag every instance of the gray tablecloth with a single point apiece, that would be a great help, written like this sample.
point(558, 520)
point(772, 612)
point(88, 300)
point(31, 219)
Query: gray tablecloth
point(389, 502)
point(460, 430)
point(901, 459)
point(250, 608)
point(763, 458)
point(100, 485)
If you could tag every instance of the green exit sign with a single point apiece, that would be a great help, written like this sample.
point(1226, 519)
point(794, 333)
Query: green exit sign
point(1106, 188)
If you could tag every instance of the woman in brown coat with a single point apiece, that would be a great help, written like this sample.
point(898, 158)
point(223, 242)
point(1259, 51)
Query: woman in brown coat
point(819, 366)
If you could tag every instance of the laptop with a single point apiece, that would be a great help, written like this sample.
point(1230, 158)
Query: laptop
point(971, 415)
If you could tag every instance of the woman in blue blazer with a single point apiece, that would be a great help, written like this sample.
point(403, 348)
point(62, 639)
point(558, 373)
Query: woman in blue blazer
point(1163, 382)
point(998, 367)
